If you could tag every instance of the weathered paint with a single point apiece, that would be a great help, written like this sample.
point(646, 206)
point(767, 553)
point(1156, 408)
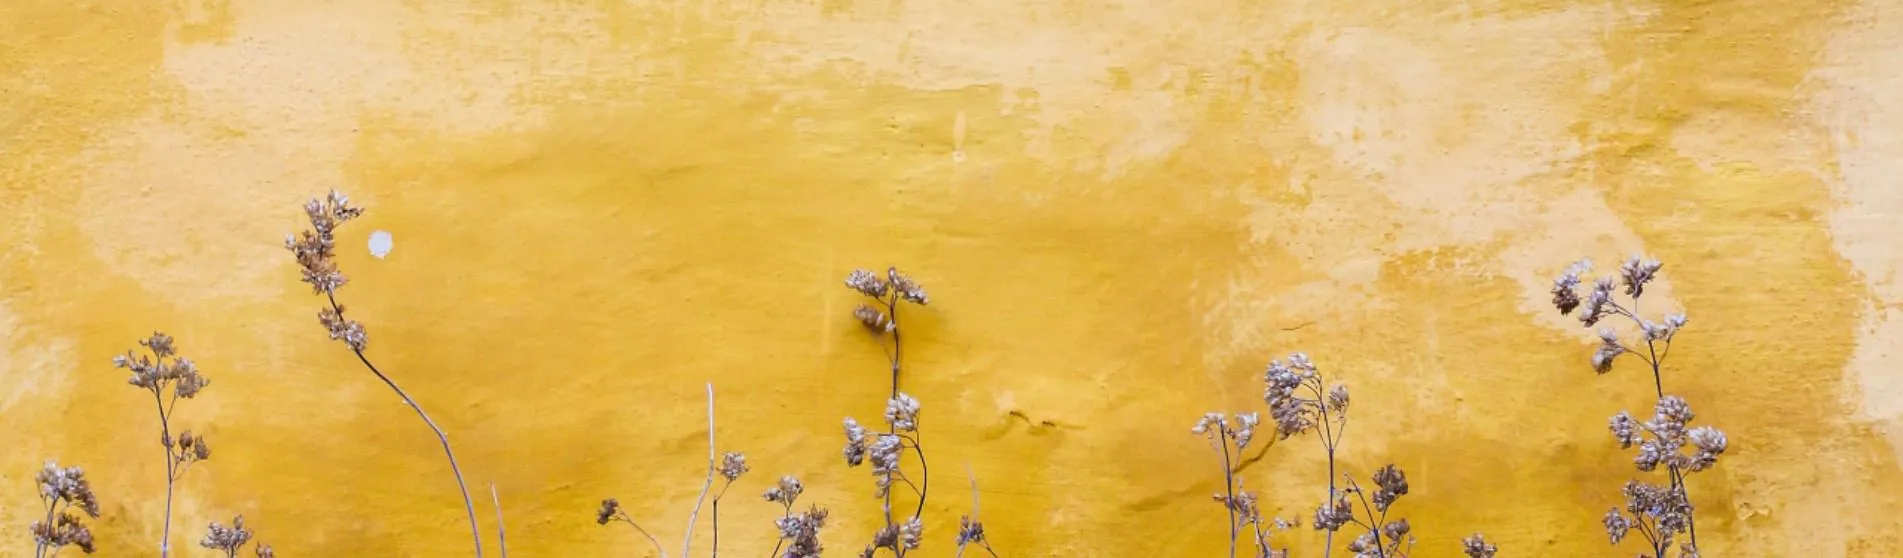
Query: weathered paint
point(1123, 210)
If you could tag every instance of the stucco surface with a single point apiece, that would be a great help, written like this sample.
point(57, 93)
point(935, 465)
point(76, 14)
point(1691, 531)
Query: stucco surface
point(1123, 210)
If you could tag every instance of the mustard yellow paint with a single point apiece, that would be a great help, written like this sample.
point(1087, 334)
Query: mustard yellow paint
point(1122, 210)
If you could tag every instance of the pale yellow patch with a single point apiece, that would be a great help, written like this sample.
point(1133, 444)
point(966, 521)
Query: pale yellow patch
point(1853, 101)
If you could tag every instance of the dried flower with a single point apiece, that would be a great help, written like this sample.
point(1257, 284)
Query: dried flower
point(907, 289)
point(264, 551)
point(787, 491)
point(1609, 349)
point(1293, 413)
point(855, 443)
point(315, 248)
point(1566, 287)
point(1332, 515)
point(970, 531)
point(866, 283)
point(1625, 429)
point(351, 332)
point(732, 465)
point(227, 539)
point(1396, 529)
point(911, 532)
point(60, 489)
point(1636, 272)
point(1616, 525)
point(874, 320)
point(802, 532)
point(1476, 546)
point(902, 413)
point(609, 509)
point(1393, 485)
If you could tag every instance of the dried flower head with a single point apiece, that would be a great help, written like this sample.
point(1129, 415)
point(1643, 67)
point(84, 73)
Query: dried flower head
point(866, 283)
point(1392, 483)
point(732, 465)
point(907, 290)
point(1609, 350)
point(801, 532)
point(1332, 515)
point(902, 413)
point(874, 320)
point(1625, 429)
point(1397, 529)
point(1476, 546)
point(1566, 287)
point(193, 448)
point(855, 452)
point(351, 332)
point(67, 486)
point(1294, 413)
point(609, 509)
point(65, 531)
point(1616, 525)
point(264, 551)
point(156, 372)
point(786, 492)
point(1636, 272)
point(227, 539)
point(315, 248)
point(970, 531)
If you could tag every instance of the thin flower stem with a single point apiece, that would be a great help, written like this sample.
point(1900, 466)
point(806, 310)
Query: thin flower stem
point(469, 505)
point(687, 541)
point(623, 516)
point(502, 531)
point(171, 471)
point(1363, 495)
point(784, 514)
point(717, 497)
point(1228, 486)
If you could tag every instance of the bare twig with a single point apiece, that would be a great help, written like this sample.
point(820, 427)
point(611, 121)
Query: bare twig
point(688, 540)
point(502, 532)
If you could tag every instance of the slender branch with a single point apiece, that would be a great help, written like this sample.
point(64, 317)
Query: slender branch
point(1228, 485)
point(687, 541)
point(171, 470)
point(469, 505)
point(784, 513)
point(502, 532)
point(1363, 495)
point(623, 516)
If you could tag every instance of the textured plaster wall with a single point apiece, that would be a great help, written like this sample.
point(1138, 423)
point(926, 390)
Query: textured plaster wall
point(1123, 210)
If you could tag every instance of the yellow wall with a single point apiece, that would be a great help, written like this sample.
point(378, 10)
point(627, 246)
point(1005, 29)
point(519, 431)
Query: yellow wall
point(1122, 210)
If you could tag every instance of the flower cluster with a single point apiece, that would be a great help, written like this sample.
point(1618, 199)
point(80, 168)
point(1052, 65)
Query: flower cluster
point(884, 449)
point(1659, 512)
point(888, 291)
point(799, 533)
point(155, 373)
point(1477, 546)
point(1296, 400)
point(61, 489)
point(316, 250)
point(732, 465)
point(228, 539)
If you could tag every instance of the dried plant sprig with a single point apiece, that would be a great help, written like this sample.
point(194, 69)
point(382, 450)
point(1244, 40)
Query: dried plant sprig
point(1226, 435)
point(1476, 546)
point(229, 540)
point(881, 318)
point(169, 378)
point(502, 531)
point(315, 251)
point(1658, 512)
point(687, 539)
point(611, 510)
point(971, 529)
point(1300, 402)
point(1381, 537)
point(733, 464)
point(61, 489)
point(802, 529)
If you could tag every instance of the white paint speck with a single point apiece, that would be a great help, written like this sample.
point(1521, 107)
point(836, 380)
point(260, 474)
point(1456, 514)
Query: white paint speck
point(381, 243)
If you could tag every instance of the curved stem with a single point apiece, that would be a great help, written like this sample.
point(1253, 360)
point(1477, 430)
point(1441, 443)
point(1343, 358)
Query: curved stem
point(502, 532)
point(662, 552)
point(1228, 486)
point(687, 541)
point(469, 505)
